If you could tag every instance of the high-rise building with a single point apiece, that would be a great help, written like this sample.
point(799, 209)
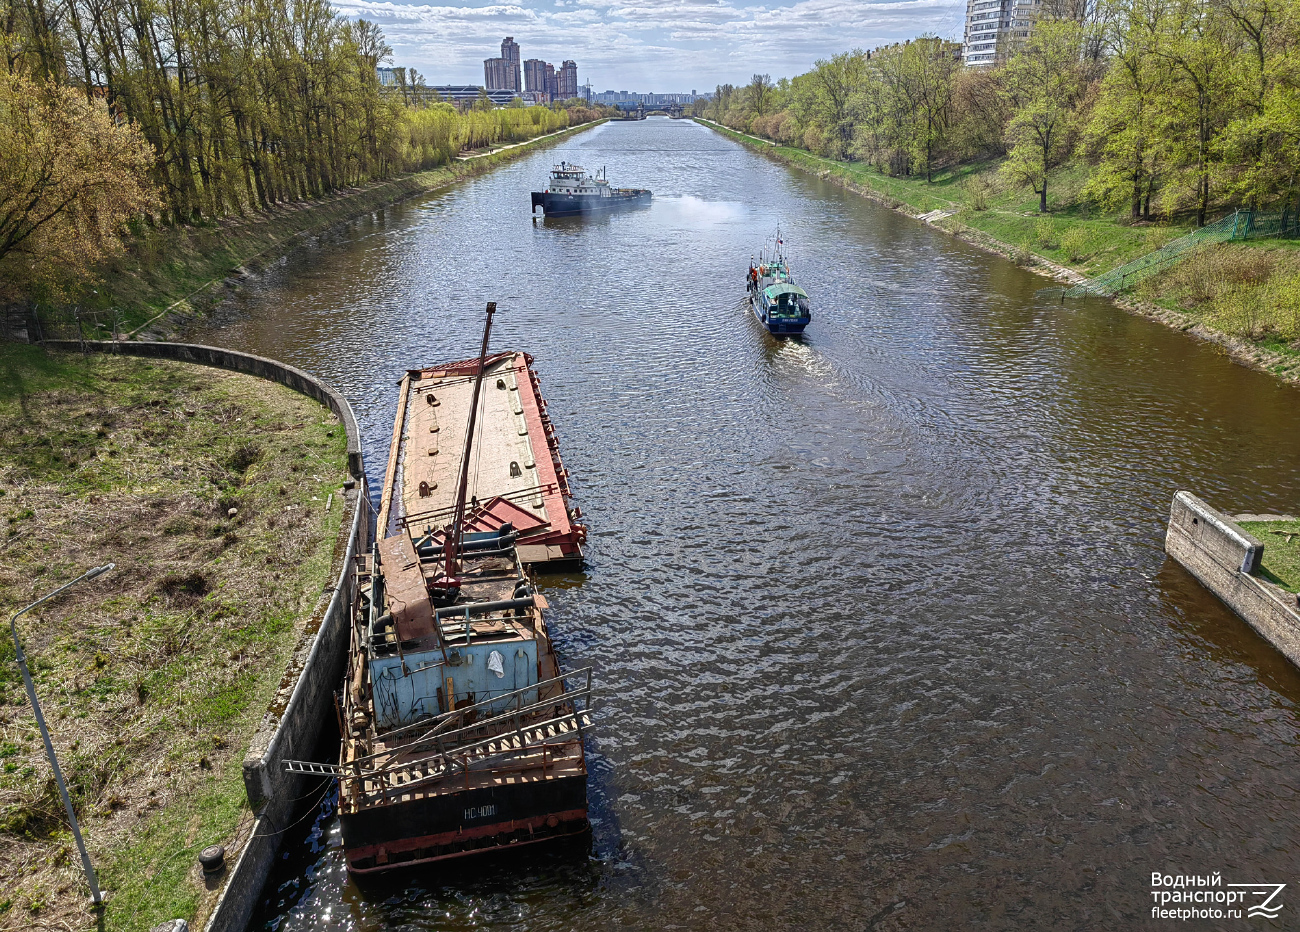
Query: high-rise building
point(497, 75)
point(552, 87)
point(992, 26)
point(535, 75)
point(568, 80)
point(510, 52)
point(986, 22)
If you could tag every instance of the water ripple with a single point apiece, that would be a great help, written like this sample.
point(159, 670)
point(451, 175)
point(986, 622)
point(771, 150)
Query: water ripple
point(882, 625)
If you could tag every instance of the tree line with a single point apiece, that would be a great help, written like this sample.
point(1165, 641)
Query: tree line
point(1174, 106)
point(178, 111)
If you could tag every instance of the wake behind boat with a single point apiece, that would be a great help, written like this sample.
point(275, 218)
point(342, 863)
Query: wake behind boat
point(570, 191)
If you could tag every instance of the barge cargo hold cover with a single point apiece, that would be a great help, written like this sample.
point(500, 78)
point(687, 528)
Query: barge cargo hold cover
point(516, 476)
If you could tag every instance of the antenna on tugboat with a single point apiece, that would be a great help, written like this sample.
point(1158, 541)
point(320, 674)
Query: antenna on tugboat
point(456, 533)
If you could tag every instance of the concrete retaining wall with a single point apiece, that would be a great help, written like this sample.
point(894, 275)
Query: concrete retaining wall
point(292, 726)
point(1214, 549)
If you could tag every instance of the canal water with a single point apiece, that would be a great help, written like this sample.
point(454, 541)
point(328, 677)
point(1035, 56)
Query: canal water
point(883, 630)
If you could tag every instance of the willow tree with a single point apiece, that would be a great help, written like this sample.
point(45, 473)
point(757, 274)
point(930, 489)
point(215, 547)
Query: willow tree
point(70, 179)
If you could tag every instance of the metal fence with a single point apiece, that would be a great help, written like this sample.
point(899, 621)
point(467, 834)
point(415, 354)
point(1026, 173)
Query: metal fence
point(1238, 225)
point(74, 323)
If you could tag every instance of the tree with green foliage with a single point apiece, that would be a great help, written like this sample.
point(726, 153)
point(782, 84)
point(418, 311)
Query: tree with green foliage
point(1045, 82)
point(758, 94)
point(70, 179)
point(1194, 40)
point(1125, 127)
point(821, 99)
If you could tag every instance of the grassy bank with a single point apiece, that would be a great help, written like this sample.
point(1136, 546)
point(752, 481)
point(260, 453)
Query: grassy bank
point(1281, 539)
point(211, 491)
point(170, 275)
point(1069, 236)
point(1245, 296)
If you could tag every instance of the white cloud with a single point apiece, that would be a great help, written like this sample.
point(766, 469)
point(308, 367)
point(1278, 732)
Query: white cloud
point(649, 45)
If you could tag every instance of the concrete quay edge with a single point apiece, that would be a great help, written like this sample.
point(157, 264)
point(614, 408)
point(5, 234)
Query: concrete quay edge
point(1226, 560)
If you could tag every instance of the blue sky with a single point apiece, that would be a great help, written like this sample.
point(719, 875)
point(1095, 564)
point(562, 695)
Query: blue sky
point(649, 45)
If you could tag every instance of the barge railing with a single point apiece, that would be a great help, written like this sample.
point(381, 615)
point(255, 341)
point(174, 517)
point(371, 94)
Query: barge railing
point(521, 743)
point(514, 734)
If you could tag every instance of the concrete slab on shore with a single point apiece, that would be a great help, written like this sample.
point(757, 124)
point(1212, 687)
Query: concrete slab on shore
point(1227, 560)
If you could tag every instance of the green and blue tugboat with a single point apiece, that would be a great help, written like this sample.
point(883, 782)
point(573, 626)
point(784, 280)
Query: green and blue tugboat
point(780, 305)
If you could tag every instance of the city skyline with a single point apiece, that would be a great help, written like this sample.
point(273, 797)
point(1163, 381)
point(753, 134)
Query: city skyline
point(694, 43)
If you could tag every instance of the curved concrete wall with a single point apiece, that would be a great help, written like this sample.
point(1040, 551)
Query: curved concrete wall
point(300, 381)
point(292, 725)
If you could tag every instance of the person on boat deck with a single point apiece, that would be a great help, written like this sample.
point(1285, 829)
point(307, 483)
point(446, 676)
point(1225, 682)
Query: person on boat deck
point(753, 277)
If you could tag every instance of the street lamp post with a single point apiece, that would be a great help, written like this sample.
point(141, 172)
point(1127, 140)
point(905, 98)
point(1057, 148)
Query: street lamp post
point(45, 733)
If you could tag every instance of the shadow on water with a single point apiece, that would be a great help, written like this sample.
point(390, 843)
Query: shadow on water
point(1211, 629)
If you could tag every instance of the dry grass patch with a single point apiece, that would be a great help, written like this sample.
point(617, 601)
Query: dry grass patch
point(208, 490)
point(1247, 290)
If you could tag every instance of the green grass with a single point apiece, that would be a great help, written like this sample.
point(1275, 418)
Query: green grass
point(154, 677)
point(1281, 563)
point(1069, 234)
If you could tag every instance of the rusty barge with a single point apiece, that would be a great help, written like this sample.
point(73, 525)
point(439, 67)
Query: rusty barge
point(460, 732)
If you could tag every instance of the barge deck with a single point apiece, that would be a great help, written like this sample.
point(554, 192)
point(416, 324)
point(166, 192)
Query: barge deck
point(516, 476)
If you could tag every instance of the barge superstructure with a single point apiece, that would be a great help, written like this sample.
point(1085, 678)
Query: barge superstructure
point(460, 732)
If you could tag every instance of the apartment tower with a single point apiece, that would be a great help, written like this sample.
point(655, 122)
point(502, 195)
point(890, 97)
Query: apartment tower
point(567, 80)
point(510, 52)
point(993, 26)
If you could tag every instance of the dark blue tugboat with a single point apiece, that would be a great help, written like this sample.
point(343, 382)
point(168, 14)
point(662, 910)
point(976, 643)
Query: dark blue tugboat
point(571, 192)
point(779, 304)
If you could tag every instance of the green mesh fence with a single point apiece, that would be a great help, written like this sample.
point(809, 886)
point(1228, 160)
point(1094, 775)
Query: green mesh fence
point(1239, 225)
point(1252, 224)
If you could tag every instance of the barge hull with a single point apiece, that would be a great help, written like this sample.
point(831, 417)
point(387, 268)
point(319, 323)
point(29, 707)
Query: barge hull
point(464, 823)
